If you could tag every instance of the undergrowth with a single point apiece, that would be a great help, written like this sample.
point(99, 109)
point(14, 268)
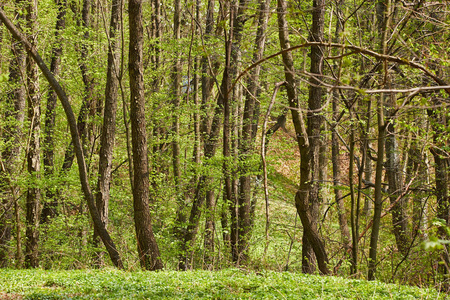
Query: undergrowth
point(225, 284)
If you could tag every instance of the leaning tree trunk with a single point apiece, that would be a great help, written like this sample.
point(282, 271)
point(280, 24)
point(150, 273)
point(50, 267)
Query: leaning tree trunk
point(148, 250)
point(33, 153)
point(307, 197)
point(109, 120)
point(82, 169)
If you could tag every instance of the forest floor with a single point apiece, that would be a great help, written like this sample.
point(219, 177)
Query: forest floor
point(224, 284)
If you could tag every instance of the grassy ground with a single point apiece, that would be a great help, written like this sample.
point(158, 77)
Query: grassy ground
point(225, 284)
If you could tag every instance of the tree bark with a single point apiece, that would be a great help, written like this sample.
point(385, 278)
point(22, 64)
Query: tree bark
point(308, 139)
point(33, 154)
point(393, 173)
point(229, 195)
point(148, 250)
point(383, 21)
point(415, 167)
point(378, 201)
point(315, 121)
point(109, 119)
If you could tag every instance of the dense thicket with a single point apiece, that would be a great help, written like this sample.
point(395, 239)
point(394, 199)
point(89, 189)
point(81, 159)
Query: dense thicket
point(187, 156)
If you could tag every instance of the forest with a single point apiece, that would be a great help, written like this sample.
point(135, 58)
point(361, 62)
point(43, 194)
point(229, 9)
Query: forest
point(288, 135)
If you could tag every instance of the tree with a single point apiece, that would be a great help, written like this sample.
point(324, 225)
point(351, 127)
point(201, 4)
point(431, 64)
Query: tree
point(33, 151)
point(109, 117)
point(148, 250)
point(308, 138)
point(15, 115)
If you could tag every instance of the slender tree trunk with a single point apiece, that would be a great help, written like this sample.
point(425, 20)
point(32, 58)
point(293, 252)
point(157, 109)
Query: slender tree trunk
point(415, 166)
point(50, 204)
point(353, 208)
point(15, 107)
point(109, 120)
point(264, 145)
point(367, 162)
point(378, 201)
point(88, 80)
point(148, 250)
point(335, 150)
point(247, 141)
point(175, 131)
point(33, 153)
point(439, 120)
point(229, 195)
point(383, 18)
point(393, 172)
point(240, 226)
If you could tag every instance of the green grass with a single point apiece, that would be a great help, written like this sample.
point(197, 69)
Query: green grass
point(225, 284)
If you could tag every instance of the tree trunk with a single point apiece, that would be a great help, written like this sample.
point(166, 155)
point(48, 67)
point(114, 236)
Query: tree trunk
point(335, 152)
point(439, 120)
point(148, 250)
point(307, 197)
point(33, 153)
point(393, 173)
point(415, 167)
point(247, 140)
point(378, 201)
point(175, 131)
point(109, 119)
point(383, 21)
point(15, 107)
point(50, 204)
point(229, 196)
point(315, 121)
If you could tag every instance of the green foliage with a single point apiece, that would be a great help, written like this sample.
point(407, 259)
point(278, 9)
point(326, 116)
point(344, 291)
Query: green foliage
point(434, 242)
point(225, 284)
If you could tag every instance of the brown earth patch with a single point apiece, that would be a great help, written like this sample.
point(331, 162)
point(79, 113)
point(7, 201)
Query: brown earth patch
point(5, 296)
